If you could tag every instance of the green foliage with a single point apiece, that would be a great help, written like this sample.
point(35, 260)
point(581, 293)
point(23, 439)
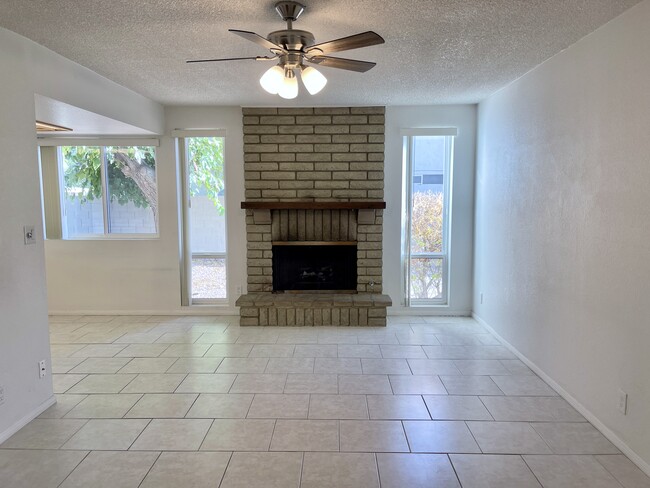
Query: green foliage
point(205, 162)
point(426, 237)
point(82, 173)
point(121, 187)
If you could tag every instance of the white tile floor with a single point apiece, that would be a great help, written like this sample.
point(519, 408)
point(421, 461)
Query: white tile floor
point(200, 402)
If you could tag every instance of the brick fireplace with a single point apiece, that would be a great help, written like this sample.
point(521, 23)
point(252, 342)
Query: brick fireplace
point(314, 216)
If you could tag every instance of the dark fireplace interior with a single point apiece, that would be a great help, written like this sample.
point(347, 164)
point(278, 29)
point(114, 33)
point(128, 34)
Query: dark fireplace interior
point(304, 267)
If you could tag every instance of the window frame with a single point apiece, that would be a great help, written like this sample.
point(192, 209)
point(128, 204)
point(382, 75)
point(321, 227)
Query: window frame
point(408, 136)
point(107, 235)
point(186, 254)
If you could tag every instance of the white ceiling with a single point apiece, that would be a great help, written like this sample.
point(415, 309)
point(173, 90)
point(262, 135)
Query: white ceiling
point(436, 51)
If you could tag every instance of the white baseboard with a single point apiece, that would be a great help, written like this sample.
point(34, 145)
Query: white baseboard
point(194, 310)
point(22, 422)
point(584, 411)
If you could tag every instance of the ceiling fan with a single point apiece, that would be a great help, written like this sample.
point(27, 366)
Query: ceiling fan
point(293, 48)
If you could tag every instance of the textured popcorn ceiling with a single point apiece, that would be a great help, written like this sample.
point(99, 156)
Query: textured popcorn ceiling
point(436, 51)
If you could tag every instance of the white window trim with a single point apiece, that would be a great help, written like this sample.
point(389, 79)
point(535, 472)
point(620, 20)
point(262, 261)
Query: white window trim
point(407, 202)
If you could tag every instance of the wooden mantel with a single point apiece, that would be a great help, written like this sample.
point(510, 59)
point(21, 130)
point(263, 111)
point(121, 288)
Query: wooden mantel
point(365, 205)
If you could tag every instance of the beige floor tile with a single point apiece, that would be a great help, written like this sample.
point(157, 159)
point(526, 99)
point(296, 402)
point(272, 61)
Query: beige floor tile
point(217, 338)
point(106, 435)
point(44, 434)
point(239, 435)
point(99, 351)
point(515, 366)
point(65, 350)
point(507, 438)
point(337, 366)
point(229, 350)
point(339, 470)
point(100, 406)
point(224, 406)
point(305, 435)
point(64, 403)
point(417, 339)
point(452, 339)
point(337, 338)
point(538, 409)
point(155, 405)
point(63, 365)
point(364, 384)
point(350, 407)
point(416, 471)
point(263, 470)
point(279, 406)
point(397, 407)
point(450, 407)
point(154, 383)
point(186, 350)
point(574, 438)
point(377, 337)
point(433, 366)
point(290, 365)
point(139, 338)
point(243, 365)
point(195, 365)
point(148, 365)
point(440, 437)
point(143, 350)
point(481, 367)
point(402, 351)
point(523, 385)
point(417, 385)
point(100, 366)
point(447, 352)
point(179, 337)
point(107, 469)
point(359, 351)
point(373, 436)
point(570, 472)
point(301, 336)
point(491, 471)
point(272, 350)
point(471, 385)
point(311, 383)
point(248, 336)
point(102, 383)
point(315, 351)
point(187, 470)
point(173, 435)
point(259, 383)
point(37, 469)
point(206, 383)
point(624, 470)
point(61, 383)
point(385, 366)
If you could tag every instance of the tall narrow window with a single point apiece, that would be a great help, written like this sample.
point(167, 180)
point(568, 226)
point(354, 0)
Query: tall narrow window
point(425, 240)
point(205, 218)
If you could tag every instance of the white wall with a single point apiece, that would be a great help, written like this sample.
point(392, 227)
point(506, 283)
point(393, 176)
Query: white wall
point(25, 69)
point(562, 252)
point(460, 280)
point(143, 276)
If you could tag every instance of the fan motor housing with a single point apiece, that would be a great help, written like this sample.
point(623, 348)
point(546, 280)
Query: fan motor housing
point(292, 40)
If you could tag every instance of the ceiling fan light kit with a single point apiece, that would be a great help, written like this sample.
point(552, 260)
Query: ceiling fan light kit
point(293, 48)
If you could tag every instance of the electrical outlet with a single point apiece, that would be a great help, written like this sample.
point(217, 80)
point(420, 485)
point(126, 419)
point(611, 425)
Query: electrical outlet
point(622, 402)
point(42, 370)
point(28, 234)
point(2, 395)
point(481, 298)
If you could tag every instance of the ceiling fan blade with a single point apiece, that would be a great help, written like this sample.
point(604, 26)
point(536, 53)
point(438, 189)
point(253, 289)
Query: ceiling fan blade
point(257, 39)
point(254, 58)
point(345, 43)
point(342, 63)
